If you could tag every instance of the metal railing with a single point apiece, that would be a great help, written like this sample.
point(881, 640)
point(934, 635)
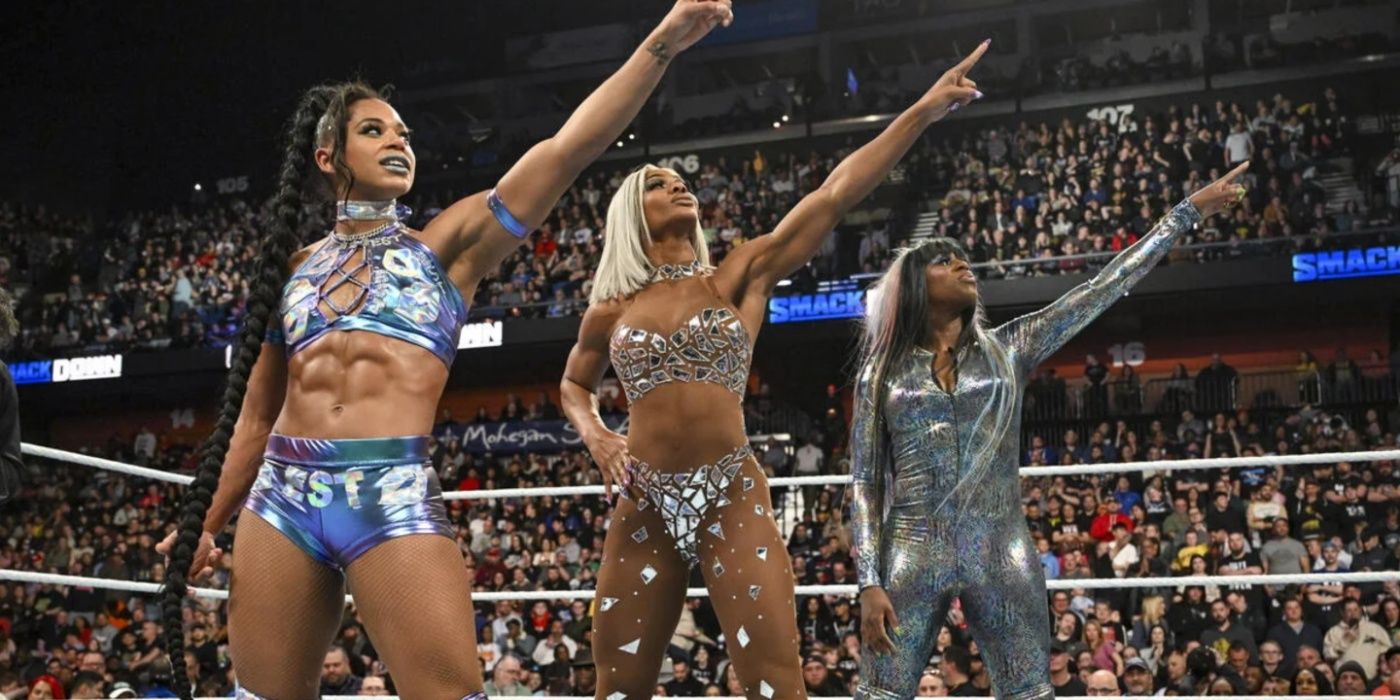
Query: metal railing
point(1079, 400)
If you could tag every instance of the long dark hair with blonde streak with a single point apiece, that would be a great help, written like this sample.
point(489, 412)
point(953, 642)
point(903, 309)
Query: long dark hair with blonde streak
point(896, 323)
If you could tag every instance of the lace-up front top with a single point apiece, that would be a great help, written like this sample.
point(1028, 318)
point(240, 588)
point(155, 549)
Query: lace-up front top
point(403, 294)
point(711, 346)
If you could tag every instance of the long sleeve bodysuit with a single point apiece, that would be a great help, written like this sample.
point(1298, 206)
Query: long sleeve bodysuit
point(937, 500)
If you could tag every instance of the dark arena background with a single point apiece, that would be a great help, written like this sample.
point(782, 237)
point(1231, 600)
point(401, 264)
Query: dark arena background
point(143, 142)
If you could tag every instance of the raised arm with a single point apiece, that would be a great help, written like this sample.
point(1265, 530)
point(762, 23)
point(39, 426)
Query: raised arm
point(588, 360)
point(485, 227)
point(796, 239)
point(1039, 334)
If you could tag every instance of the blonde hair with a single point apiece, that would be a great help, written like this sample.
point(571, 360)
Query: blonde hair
point(624, 269)
point(1154, 608)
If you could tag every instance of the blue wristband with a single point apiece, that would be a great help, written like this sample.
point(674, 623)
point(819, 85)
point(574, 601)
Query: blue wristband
point(503, 215)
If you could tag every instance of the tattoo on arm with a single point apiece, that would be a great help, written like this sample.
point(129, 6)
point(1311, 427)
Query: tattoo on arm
point(661, 51)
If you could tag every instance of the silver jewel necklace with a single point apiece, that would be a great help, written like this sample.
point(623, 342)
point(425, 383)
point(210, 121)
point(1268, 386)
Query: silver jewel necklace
point(671, 273)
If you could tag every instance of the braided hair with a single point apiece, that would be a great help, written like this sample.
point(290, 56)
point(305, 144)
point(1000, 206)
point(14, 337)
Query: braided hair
point(320, 120)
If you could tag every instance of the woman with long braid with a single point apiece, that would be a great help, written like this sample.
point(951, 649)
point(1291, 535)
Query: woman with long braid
point(936, 506)
point(680, 334)
point(336, 364)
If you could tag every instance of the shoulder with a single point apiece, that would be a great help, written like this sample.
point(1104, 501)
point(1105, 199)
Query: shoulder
point(600, 318)
point(300, 256)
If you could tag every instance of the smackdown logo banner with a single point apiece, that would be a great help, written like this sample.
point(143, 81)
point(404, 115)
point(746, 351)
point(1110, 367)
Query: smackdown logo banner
point(68, 369)
point(822, 306)
point(1346, 264)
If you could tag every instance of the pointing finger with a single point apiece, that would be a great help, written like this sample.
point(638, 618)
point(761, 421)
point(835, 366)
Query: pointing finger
point(1238, 171)
point(976, 55)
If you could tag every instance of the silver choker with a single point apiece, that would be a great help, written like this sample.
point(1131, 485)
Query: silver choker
point(671, 273)
point(354, 210)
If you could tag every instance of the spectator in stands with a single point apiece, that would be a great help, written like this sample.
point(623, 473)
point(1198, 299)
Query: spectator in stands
point(956, 667)
point(1225, 632)
point(931, 684)
point(1102, 683)
point(1064, 681)
point(336, 676)
point(506, 677)
point(682, 682)
point(373, 685)
point(1356, 639)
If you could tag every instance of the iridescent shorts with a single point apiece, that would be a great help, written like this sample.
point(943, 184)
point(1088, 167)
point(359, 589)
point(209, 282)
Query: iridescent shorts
point(337, 499)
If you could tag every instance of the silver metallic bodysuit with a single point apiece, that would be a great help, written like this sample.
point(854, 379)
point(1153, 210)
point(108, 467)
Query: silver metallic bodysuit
point(937, 500)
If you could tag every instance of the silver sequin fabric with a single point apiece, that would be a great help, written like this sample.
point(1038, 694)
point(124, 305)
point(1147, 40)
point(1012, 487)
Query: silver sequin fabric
point(936, 497)
point(711, 346)
point(682, 499)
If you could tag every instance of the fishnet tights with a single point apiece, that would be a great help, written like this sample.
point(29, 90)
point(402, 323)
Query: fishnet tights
point(412, 593)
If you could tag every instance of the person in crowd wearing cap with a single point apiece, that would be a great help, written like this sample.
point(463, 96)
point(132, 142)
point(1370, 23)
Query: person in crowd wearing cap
point(1102, 683)
point(374, 685)
point(1373, 557)
point(1137, 678)
point(1326, 596)
point(506, 678)
point(517, 642)
point(1356, 639)
point(337, 678)
point(1351, 679)
point(122, 689)
point(585, 674)
point(1062, 677)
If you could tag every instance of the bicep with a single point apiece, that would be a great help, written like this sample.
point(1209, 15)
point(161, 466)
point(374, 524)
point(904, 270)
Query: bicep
point(469, 232)
point(588, 359)
point(794, 241)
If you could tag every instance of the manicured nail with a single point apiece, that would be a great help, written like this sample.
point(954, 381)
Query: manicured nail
point(987, 41)
point(955, 107)
point(978, 94)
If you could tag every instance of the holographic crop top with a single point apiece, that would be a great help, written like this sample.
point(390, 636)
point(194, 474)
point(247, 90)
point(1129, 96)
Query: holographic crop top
point(711, 346)
point(407, 295)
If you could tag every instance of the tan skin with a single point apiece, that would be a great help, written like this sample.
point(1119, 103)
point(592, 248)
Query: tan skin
point(952, 289)
point(358, 384)
point(685, 424)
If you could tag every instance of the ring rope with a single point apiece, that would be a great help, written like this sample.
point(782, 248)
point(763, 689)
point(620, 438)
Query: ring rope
point(838, 479)
point(847, 697)
point(836, 590)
